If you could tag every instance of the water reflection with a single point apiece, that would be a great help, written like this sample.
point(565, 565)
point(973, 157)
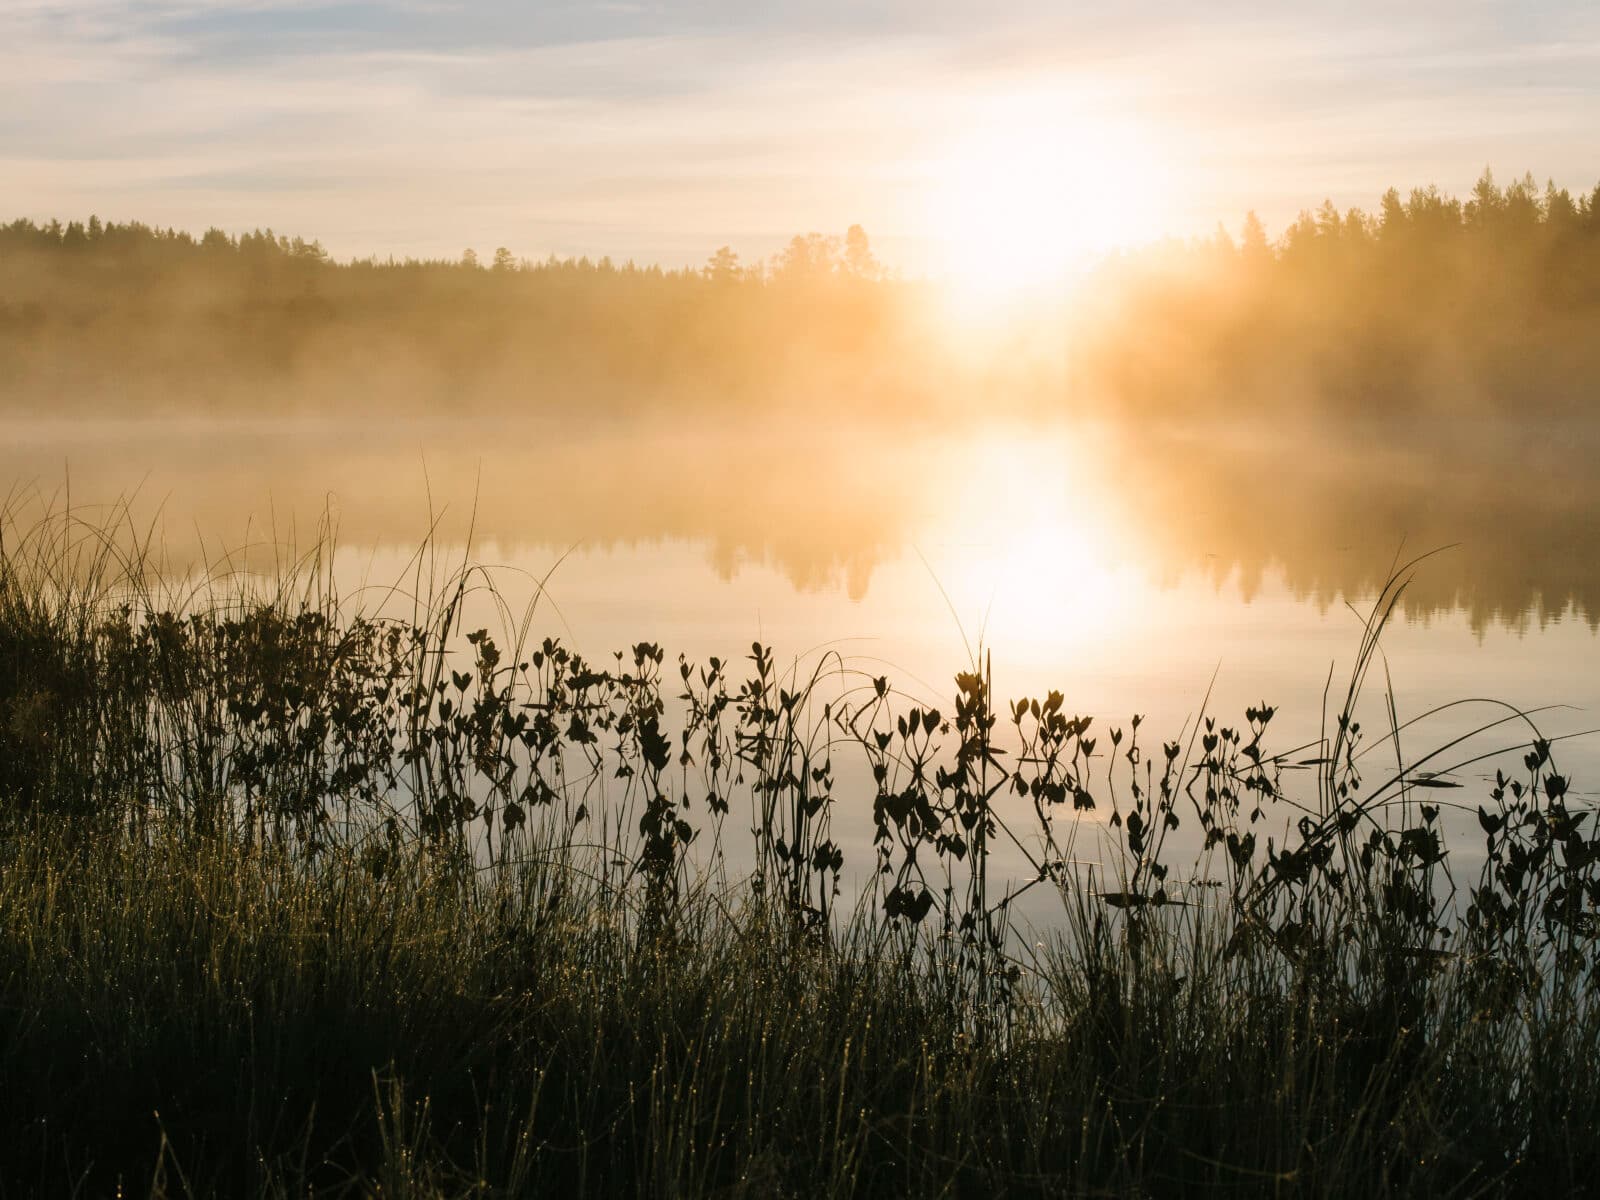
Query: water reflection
point(1164, 575)
point(1046, 517)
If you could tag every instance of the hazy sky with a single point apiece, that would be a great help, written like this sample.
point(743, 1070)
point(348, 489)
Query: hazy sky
point(661, 130)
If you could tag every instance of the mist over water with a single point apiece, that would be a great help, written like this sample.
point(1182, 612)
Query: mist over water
point(827, 506)
point(1178, 490)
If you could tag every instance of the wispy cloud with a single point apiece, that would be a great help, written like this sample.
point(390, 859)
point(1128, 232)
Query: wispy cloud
point(661, 130)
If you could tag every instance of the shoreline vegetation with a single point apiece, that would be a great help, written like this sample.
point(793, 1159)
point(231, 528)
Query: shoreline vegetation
point(296, 897)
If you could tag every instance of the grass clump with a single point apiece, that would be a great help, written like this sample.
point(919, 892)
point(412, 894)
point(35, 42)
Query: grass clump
point(295, 899)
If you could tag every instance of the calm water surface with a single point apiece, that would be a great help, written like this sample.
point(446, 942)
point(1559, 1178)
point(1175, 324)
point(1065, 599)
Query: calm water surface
point(1134, 574)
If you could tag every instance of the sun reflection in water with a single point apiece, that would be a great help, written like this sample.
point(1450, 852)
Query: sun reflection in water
point(1032, 557)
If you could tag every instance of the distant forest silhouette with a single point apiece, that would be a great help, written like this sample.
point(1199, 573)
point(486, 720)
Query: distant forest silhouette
point(1431, 311)
point(1428, 311)
point(1424, 374)
point(131, 318)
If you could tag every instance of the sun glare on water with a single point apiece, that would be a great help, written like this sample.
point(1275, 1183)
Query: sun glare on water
point(1027, 557)
point(1032, 193)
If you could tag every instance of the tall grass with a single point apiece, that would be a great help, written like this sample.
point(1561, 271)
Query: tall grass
point(298, 897)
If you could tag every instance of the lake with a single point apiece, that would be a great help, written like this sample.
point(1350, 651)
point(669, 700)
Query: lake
point(1153, 572)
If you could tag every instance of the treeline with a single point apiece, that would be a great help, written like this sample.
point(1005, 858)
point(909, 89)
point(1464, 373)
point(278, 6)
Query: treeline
point(1430, 308)
point(134, 245)
point(130, 318)
point(807, 258)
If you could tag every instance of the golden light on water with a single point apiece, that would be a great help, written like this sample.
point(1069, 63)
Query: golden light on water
point(1035, 189)
point(1050, 587)
point(1035, 556)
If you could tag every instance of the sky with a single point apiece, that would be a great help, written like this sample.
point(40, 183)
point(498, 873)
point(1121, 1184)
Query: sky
point(660, 131)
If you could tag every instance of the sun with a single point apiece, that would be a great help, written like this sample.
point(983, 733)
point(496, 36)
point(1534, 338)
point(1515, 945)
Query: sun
point(1033, 191)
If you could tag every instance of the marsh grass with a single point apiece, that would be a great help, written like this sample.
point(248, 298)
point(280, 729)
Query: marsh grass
point(294, 897)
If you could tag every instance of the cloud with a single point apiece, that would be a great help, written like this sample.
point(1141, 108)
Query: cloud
point(659, 131)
